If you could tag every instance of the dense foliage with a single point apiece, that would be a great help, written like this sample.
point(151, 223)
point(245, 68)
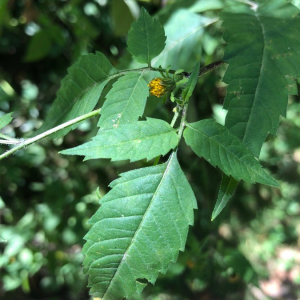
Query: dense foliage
point(144, 220)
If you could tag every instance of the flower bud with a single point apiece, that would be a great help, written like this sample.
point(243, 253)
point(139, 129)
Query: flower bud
point(161, 86)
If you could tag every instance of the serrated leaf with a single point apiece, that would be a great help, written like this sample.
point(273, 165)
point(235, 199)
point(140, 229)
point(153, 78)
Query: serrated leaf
point(190, 86)
point(263, 53)
point(227, 188)
point(138, 230)
point(134, 141)
point(5, 120)
point(221, 148)
point(125, 102)
point(146, 38)
point(80, 91)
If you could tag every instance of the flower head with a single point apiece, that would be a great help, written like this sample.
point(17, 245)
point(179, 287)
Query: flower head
point(161, 86)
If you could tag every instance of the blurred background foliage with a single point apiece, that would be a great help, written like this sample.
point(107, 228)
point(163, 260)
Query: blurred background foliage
point(251, 251)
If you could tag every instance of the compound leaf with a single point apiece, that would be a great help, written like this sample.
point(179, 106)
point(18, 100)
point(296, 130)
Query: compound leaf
point(263, 54)
point(138, 230)
point(125, 102)
point(221, 148)
point(134, 141)
point(146, 38)
point(79, 92)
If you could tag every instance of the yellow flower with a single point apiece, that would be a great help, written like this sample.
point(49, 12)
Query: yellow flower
point(157, 87)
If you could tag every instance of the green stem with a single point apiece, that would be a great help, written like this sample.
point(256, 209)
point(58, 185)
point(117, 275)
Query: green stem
point(202, 71)
point(177, 111)
point(41, 136)
point(183, 119)
point(24, 143)
point(6, 137)
point(210, 67)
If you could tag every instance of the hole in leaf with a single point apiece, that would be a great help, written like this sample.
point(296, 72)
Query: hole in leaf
point(142, 280)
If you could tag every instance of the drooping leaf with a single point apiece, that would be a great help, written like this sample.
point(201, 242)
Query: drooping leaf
point(138, 230)
point(5, 120)
point(221, 148)
point(263, 54)
point(146, 38)
point(134, 141)
point(190, 86)
point(125, 102)
point(227, 188)
point(80, 91)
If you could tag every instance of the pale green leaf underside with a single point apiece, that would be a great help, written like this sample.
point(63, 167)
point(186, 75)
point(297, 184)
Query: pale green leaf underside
point(227, 189)
point(146, 38)
point(125, 102)
point(5, 120)
point(135, 141)
point(79, 92)
point(220, 148)
point(138, 230)
point(263, 53)
point(184, 31)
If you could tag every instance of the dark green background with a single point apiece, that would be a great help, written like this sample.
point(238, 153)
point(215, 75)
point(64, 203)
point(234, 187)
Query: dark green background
point(46, 198)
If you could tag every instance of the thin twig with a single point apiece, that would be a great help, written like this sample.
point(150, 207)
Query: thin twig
point(202, 71)
point(43, 135)
point(210, 67)
point(183, 118)
point(177, 110)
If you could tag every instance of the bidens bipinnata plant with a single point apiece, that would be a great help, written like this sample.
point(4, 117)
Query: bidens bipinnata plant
point(144, 219)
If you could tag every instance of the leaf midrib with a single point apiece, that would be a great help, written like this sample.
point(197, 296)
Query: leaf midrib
point(132, 93)
point(226, 150)
point(245, 139)
point(136, 139)
point(140, 225)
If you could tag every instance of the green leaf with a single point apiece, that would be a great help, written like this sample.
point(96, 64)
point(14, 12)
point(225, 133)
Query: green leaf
point(221, 148)
point(190, 86)
point(80, 91)
point(39, 46)
point(184, 31)
point(138, 230)
point(146, 38)
point(227, 189)
point(239, 263)
point(135, 141)
point(263, 54)
point(125, 102)
point(121, 17)
point(5, 120)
